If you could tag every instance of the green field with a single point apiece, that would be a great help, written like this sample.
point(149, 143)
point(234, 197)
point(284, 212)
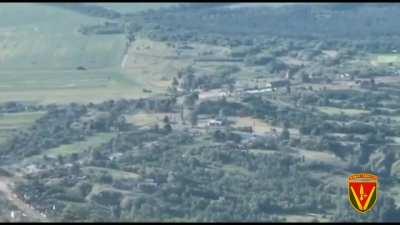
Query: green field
point(47, 38)
point(69, 149)
point(117, 174)
point(41, 50)
point(63, 86)
point(10, 122)
point(236, 170)
point(386, 59)
point(333, 111)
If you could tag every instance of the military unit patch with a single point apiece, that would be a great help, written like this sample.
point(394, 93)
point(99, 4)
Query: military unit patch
point(363, 191)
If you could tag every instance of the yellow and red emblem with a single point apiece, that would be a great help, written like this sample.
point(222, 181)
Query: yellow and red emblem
point(363, 191)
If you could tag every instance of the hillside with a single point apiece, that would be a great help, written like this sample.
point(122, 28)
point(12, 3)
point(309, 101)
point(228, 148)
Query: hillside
point(298, 20)
point(214, 112)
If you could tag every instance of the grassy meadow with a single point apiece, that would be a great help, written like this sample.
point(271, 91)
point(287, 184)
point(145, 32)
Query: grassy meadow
point(41, 52)
point(10, 122)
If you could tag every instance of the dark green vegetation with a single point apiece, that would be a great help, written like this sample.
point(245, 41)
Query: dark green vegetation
point(267, 114)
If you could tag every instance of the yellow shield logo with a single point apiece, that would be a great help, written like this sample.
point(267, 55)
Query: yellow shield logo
point(363, 191)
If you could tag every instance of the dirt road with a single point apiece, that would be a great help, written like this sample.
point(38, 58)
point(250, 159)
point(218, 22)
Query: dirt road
point(30, 213)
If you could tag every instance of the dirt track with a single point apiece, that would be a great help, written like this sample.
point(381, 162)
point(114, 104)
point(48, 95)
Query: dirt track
point(31, 214)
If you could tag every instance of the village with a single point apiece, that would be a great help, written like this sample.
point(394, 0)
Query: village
point(198, 115)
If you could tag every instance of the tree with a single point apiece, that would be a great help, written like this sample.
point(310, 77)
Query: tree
point(181, 113)
point(60, 159)
point(221, 115)
point(105, 178)
point(175, 82)
point(85, 188)
point(75, 213)
point(173, 91)
point(74, 157)
point(190, 100)
point(75, 169)
point(305, 78)
point(167, 125)
point(231, 88)
point(288, 89)
point(193, 118)
point(167, 128)
point(188, 81)
point(46, 157)
point(389, 212)
point(285, 135)
point(166, 119)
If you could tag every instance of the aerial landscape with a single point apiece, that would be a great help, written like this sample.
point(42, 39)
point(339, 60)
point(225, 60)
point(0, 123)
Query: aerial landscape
point(197, 112)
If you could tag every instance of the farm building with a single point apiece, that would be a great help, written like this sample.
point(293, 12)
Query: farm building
point(214, 123)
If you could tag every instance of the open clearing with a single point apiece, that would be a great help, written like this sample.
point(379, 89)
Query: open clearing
point(117, 174)
point(149, 119)
point(93, 141)
point(9, 122)
point(18, 120)
point(333, 111)
point(259, 126)
point(33, 42)
point(152, 65)
point(68, 149)
point(67, 86)
point(49, 61)
point(385, 59)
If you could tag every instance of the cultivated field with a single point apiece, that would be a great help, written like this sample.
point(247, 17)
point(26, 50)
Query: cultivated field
point(259, 126)
point(13, 121)
point(49, 61)
point(333, 111)
point(152, 65)
point(380, 59)
point(150, 119)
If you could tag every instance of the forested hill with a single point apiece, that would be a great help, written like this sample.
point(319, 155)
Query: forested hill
point(88, 9)
point(316, 20)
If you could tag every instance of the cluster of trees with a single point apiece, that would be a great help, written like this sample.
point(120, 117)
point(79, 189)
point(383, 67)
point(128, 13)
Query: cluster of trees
point(15, 107)
point(74, 122)
point(229, 108)
point(221, 77)
point(229, 182)
point(89, 9)
point(106, 28)
point(215, 182)
point(271, 63)
point(53, 129)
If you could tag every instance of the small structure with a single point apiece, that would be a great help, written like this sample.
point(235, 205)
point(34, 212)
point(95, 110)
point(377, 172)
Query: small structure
point(32, 168)
point(115, 156)
point(279, 83)
point(215, 123)
point(365, 83)
point(68, 165)
point(344, 75)
point(257, 91)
